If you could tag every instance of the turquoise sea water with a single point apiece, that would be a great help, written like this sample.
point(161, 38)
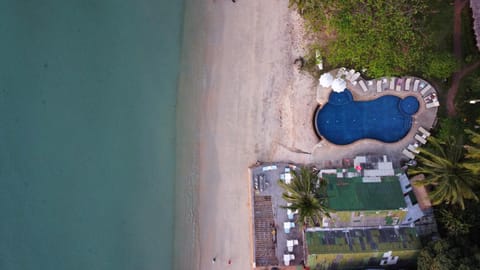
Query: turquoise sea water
point(87, 133)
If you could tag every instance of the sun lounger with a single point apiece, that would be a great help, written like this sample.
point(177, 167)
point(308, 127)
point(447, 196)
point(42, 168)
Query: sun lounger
point(432, 104)
point(349, 74)
point(288, 178)
point(379, 86)
point(415, 85)
point(384, 83)
point(425, 90)
point(392, 83)
point(413, 148)
point(355, 76)
point(407, 84)
point(363, 86)
point(408, 154)
point(420, 139)
point(341, 72)
point(398, 86)
point(424, 131)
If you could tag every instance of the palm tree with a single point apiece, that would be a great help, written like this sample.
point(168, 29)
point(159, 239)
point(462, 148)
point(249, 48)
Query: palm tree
point(473, 151)
point(444, 170)
point(307, 194)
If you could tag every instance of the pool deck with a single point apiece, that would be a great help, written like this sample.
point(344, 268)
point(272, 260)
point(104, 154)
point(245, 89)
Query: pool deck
point(425, 117)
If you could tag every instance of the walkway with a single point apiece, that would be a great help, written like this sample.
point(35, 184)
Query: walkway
point(457, 51)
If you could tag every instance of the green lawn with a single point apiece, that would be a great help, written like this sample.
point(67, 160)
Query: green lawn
point(351, 194)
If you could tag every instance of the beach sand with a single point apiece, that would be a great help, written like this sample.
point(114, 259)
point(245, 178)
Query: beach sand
point(240, 100)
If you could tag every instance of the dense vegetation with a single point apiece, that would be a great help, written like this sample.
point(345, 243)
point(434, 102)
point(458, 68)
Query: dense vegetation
point(448, 170)
point(452, 173)
point(385, 37)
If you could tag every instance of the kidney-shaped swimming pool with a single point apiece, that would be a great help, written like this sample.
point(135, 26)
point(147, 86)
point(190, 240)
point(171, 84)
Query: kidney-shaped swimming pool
point(343, 120)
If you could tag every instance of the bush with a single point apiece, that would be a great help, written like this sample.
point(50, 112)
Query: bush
point(440, 65)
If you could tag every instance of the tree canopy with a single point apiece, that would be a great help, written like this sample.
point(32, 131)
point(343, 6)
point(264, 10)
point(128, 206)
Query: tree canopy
point(442, 163)
point(473, 151)
point(447, 254)
point(306, 193)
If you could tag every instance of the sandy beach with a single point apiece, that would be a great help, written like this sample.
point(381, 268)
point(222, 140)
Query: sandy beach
point(241, 99)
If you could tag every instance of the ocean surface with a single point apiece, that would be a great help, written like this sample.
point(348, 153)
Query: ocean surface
point(87, 133)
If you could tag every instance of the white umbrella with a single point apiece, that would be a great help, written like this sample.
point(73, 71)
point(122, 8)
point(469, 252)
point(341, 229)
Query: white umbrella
point(339, 85)
point(326, 80)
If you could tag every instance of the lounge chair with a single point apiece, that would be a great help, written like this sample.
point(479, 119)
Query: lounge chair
point(425, 90)
point(379, 86)
point(288, 178)
point(432, 104)
point(392, 83)
point(413, 148)
point(415, 85)
point(349, 74)
point(355, 76)
point(420, 139)
point(407, 84)
point(341, 72)
point(408, 154)
point(363, 86)
point(424, 131)
point(398, 86)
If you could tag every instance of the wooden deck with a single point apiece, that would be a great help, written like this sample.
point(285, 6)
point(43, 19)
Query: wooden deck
point(264, 225)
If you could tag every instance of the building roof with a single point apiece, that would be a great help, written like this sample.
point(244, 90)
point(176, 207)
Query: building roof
point(475, 5)
point(361, 247)
point(353, 194)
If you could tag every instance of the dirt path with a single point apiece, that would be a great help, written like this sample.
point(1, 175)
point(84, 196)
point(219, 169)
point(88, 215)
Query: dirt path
point(457, 51)
point(457, 27)
point(452, 92)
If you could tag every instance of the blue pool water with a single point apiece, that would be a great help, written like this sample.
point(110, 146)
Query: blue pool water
point(343, 120)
